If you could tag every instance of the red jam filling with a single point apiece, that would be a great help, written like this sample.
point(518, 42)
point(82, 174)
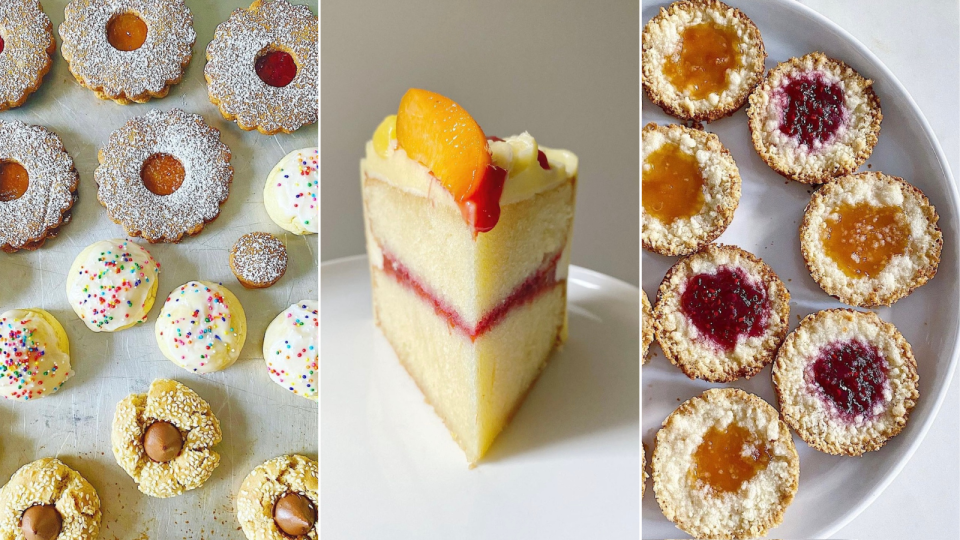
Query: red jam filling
point(725, 305)
point(481, 209)
point(814, 110)
point(276, 68)
point(851, 375)
point(1, 44)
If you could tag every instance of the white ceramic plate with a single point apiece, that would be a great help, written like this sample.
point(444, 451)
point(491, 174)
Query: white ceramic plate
point(833, 490)
point(566, 467)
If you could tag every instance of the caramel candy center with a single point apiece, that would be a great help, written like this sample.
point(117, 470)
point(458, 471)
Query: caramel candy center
point(14, 180)
point(672, 184)
point(162, 174)
point(728, 458)
point(700, 65)
point(162, 441)
point(294, 514)
point(863, 238)
point(41, 522)
point(126, 32)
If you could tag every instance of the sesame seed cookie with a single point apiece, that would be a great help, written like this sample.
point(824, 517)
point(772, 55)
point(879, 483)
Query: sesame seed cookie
point(646, 321)
point(278, 500)
point(48, 498)
point(725, 466)
point(846, 381)
point(721, 314)
point(690, 189)
point(701, 59)
point(164, 439)
point(814, 118)
point(870, 239)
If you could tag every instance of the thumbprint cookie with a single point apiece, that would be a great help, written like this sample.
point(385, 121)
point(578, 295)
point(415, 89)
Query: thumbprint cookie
point(725, 466)
point(128, 50)
point(721, 314)
point(701, 59)
point(46, 500)
point(690, 189)
point(26, 50)
point(164, 175)
point(814, 118)
point(870, 239)
point(846, 381)
point(646, 321)
point(262, 67)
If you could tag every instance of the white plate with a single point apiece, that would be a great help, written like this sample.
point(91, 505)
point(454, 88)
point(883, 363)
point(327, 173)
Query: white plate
point(566, 467)
point(833, 490)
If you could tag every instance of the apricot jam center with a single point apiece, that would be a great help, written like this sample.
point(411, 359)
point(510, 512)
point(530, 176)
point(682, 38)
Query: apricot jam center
point(725, 305)
point(851, 375)
point(162, 174)
point(863, 238)
point(126, 32)
point(813, 111)
point(14, 180)
point(727, 458)
point(672, 184)
point(705, 55)
point(276, 68)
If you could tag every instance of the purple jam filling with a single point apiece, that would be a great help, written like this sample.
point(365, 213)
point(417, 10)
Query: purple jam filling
point(851, 375)
point(813, 110)
point(725, 305)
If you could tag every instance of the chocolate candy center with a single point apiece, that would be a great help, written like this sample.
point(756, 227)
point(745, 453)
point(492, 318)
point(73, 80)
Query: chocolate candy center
point(725, 305)
point(276, 68)
point(41, 522)
point(294, 514)
point(14, 180)
point(162, 441)
point(126, 32)
point(162, 174)
point(851, 375)
point(814, 110)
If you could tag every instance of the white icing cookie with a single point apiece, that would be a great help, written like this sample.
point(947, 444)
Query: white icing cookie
point(290, 349)
point(112, 285)
point(34, 354)
point(201, 327)
point(292, 190)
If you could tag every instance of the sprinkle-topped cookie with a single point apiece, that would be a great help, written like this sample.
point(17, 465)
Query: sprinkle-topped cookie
point(201, 327)
point(291, 192)
point(258, 260)
point(290, 349)
point(34, 354)
point(112, 285)
point(26, 50)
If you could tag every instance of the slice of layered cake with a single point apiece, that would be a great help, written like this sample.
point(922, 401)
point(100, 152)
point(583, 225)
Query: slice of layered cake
point(469, 241)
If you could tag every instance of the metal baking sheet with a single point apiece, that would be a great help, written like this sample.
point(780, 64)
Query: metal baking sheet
point(260, 419)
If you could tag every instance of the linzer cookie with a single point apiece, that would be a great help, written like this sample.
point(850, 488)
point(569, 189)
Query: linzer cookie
point(278, 500)
point(38, 185)
point(258, 260)
point(26, 50)
point(164, 175)
point(164, 439)
point(262, 67)
point(128, 50)
point(46, 500)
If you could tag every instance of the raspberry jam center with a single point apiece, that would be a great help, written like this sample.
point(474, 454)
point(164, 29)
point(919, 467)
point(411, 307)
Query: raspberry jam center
point(1, 44)
point(126, 32)
point(276, 68)
point(728, 458)
point(162, 174)
point(851, 375)
point(862, 238)
point(725, 306)
point(813, 111)
point(700, 66)
point(672, 184)
point(14, 180)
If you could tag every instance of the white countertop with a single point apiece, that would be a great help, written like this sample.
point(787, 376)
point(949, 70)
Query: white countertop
point(921, 46)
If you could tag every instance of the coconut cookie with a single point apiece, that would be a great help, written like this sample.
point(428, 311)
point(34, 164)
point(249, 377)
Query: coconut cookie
point(701, 59)
point(870, 239)
point(258, 260)
point(721, 314)
point(725, 466)
point(291, 192)
point(262, 67)
point(201, 327)
point(128, 50)
point(38, 185)
point(34, 354)
point(846, 381)
point(290, 349)
point(26, 50)
point(691, 188)
point(164, 175)
point(46, 500)
point(164, 439)
point(112, 285)
point(278, 500)
point(814, 118)
point(646, 321)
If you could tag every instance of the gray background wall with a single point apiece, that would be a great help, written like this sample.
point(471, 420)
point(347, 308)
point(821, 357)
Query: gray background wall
point(566, 71)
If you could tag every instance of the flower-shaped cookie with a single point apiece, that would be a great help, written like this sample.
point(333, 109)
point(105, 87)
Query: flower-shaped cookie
point(26, 50)
point(278, 500)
